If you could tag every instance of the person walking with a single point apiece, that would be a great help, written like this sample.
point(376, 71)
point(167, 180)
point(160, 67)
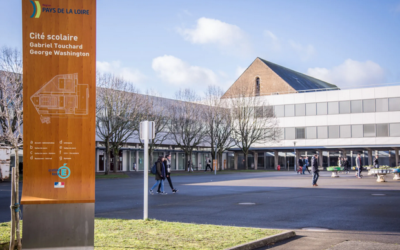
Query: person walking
point(167, 165)
point(376, 162)
point(359, 166)
point(305, 165)
point(300, 166)
point(208, 165)
point(346, 165)
point(160, 176)
point(314, 168)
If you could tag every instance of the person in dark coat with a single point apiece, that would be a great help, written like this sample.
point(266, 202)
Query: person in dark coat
point(376, 162)
point(160, 175)
point(346, 165)
point(167, 165)
point(359, 166)
point(315, 170)
point(300, 166)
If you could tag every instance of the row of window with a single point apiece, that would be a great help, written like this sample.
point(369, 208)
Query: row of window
point(333, 108)
point(343, 131)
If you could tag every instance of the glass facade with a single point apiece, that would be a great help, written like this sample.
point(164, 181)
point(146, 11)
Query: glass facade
point(322, 132)
point(356, 106)
point(344, 107)
point(311, 109)
point(333, 108)
point(369, 105)
point(300, 109)
point(322, 108)
point(345, 131)
point(289, 110)
point(311, 132)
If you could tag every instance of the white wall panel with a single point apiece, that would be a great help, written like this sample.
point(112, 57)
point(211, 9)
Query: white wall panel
point(299, 98)
point(381, 92)
point(344, 95)
point(393, 91)
point(355, 94)
point(320, 96)
point(333, 95)
point(356, 118)
point(368, 118)
point(368, 93)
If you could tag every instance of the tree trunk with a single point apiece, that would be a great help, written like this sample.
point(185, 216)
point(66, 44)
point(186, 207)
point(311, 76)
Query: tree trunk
point(246, 163)
point(220, 162)
point(12, 236)
point(17, 198)
point(185, 161)
point(107, 157)
point(116, 159)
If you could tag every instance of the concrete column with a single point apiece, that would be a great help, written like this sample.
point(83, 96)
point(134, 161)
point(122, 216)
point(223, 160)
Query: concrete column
point(320, 158)
point(276, 158)
point(255, 155)
point(177, 162)
point(329, 160)
point(235, 160)
point(369, 156)
point(397, 156)
point(296, 160)
point(137, 160)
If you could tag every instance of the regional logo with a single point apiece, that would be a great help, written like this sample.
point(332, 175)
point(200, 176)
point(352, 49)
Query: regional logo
point(63, 172)
point(36, 9)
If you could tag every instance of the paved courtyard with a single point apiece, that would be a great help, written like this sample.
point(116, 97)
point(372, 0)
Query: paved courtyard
point(344, 208)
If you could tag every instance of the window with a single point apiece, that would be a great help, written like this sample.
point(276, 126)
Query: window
point(333, 131)
point(311, 109)
point(300, 133)
point(357, 131)
point(394, 104)
point(322, 108)
point(369, 105)
point(382, 105)
point(333, 108)
point(300, 109)
point(257, 86)
point(311, 132)
point(369, 130)
point(268, 111)
point(322, 132)
point(356, 106)
point(259, 111)
point(395, 129)
point(382, 130)
point(344, 107)
point(289, 133)
point(280, 111)
point(289, 110)
point(345, 131)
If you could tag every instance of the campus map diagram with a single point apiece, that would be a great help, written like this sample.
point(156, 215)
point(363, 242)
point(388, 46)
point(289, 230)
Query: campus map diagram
point(62, 97)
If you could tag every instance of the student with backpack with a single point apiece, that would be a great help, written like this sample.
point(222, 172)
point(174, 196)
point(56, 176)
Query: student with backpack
point(167, 164)
point(159, 170)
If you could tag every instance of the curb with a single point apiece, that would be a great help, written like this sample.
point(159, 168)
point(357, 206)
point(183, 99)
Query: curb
point(264, 242)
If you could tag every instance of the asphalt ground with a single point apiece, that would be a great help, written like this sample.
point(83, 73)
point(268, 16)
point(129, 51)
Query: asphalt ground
point(345, 207)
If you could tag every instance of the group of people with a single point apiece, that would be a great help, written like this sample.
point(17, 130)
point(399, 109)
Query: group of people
point(303, 165)
point(163, 165)
point(344, 162)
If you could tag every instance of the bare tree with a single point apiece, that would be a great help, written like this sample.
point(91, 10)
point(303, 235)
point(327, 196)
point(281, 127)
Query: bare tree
point(156, 109)
point(11, 117)
point(218, 121)
point(253, 120)
point(117, 108)
point(186, 124)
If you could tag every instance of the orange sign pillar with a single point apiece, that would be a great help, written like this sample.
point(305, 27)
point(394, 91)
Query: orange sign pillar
point(59, 91)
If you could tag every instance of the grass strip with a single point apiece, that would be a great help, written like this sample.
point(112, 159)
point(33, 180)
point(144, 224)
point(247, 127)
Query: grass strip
point(154, 234)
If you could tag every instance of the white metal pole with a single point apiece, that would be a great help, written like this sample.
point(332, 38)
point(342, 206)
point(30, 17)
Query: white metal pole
point(145, 128)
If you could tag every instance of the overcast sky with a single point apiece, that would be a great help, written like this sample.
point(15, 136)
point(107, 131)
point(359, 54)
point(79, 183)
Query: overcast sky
point(167, 45)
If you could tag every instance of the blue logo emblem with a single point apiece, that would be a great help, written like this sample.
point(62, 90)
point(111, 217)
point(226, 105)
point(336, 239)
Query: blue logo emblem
point(63, 172)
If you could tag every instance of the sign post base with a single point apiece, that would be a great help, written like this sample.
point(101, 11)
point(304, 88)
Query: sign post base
point(58, 226)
